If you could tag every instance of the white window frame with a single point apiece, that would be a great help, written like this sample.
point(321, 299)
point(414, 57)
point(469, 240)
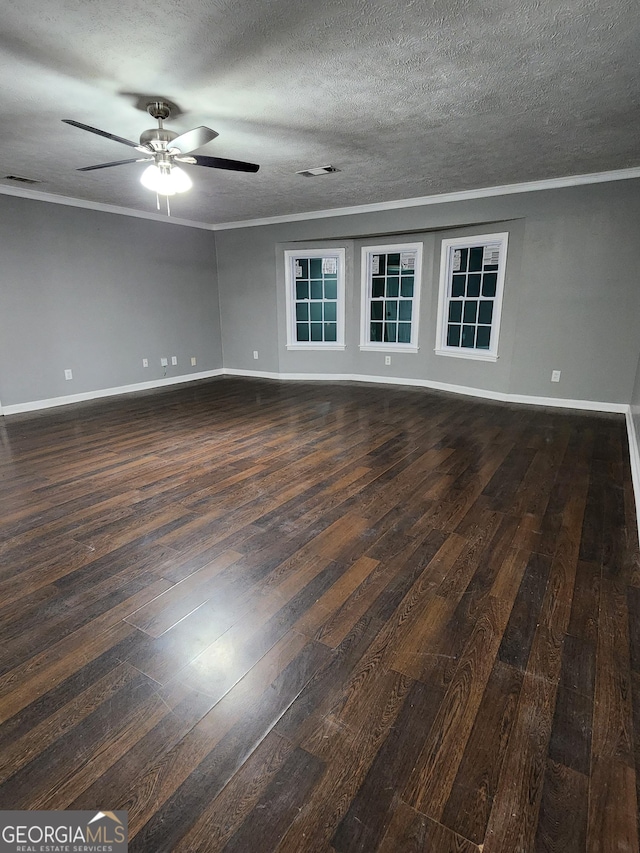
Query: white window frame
point(446, 259)
point(367, 254)
point(290, 257)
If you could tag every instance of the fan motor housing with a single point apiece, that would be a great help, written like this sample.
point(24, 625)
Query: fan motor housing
point(157, 135)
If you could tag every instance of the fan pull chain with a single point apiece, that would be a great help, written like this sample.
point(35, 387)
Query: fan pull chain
point(158, 203)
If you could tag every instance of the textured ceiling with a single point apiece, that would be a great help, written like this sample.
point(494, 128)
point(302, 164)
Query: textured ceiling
point(407, 99)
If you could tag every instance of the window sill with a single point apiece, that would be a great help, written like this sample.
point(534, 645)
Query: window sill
point(472, 355)
point(316, 346)
point(388, 348)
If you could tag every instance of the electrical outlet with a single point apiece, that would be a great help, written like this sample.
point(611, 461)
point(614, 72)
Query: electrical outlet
point(555, 376)
point(193, 361)
point(174, 359)
point(255, 354)
point(145, 362)
point(163, 362)
point(387, 360)
point(68, 374)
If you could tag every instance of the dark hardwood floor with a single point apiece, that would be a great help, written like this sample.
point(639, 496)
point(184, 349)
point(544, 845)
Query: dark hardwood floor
point(308, 617)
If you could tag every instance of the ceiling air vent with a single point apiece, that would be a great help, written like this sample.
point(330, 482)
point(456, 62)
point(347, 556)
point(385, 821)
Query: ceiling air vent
point(319, 170)
point(20, 179)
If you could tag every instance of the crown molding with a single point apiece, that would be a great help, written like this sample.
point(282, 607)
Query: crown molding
point(397, 204)
point(442, 198)
point(37, 195)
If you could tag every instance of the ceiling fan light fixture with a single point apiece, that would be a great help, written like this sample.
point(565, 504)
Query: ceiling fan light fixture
point(165, 179)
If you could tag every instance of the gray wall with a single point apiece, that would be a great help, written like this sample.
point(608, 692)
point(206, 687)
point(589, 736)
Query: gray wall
point(96, 292)
point(570, 295)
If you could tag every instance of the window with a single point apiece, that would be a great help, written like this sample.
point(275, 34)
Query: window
point(390, 297)
point(470, 303)
point(315, 298)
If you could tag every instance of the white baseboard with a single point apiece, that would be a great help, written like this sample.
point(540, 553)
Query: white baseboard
point(259, 374)
point(499, 396)
point(51, 402)
point(634, 454)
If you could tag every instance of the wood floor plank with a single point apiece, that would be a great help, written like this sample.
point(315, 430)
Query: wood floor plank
point(412, 831)
point(364, 825)
point(514, 816)
point(469, 805)
point(245, 793)
point(518, 637)
point(190, 785)
point(322, 617)
point(279, 805)
point(357, 734)
point(170, 607)
point(563, 811)
point(436, 767)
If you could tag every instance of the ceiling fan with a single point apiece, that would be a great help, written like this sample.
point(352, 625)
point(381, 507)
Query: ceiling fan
point(164, 148)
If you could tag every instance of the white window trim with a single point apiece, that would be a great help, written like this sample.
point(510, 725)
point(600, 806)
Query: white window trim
point(367, 253)
point(290, 282)
point(441, 347)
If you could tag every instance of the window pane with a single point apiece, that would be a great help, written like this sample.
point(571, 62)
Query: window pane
point(406, 287)
point(470, 309)
point(404, 310)
point(464, 257)
point(390, 332)
point(404, 333)
point(453, 336)
point(475, 259)
point(315, 300)
point(316, 267)
point(457, 286)
point(393, 286)
point(376, 332)
point(485, 313)
point(377, 288)
point(473, 285)
point(468, 336)
point(468, 286)
point(489, 283)
point(484, 336)
point(330, 289)
point(390, 305)
point(330, 311)
point(455, 312)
